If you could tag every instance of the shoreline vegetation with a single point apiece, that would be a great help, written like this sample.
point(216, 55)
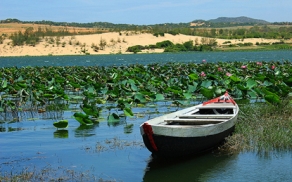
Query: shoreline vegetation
point(43, 40)
point(261, 128)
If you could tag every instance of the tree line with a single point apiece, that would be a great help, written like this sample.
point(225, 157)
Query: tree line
point(231, 33)
point(32, 37)
point(168, 46)
point(226, 30)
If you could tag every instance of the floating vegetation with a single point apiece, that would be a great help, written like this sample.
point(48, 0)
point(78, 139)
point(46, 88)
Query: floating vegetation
point(48, 91)
point(83, 119)
point(113, 144)
point(61, 124)
point(49, 173)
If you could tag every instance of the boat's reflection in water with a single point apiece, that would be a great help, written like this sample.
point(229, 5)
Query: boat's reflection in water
point(197, 168)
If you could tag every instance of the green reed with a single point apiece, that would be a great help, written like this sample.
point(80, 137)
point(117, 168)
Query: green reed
point(262, 128)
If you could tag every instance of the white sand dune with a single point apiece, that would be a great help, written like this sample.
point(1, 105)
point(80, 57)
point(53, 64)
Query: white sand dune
point(115, 43)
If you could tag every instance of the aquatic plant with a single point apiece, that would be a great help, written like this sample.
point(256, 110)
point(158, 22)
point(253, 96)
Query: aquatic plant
point(83, 119)
point(61, 124)
point(262, 128)
point(91, 88)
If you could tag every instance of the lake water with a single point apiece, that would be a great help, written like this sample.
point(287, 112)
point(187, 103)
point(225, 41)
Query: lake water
point(108, 151)
point(120, 59)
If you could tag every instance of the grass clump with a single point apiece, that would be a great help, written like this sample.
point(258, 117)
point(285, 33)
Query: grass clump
point(262, 128)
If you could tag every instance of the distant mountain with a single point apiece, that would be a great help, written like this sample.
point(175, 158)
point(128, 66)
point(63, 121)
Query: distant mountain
point(241, 19)
point(213, 23)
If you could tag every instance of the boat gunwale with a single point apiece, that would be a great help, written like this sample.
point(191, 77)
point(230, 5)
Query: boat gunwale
point(195, 108)
point(159, 126)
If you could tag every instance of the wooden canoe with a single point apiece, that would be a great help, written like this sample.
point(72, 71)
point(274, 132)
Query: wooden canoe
point(191, 130)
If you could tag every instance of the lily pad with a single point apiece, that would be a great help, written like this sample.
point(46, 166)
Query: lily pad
point(61, 124)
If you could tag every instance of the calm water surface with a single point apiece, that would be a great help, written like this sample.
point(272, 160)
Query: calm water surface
point(119, 59)
point(108, 152)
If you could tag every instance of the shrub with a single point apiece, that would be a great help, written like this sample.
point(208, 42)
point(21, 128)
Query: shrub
point(102, 43)
point(164, 44)
point(206, 48)
point(189, 45)
point(173, 32)
point(226, 42)
point(175, 48)
point(135, 49)
point(248, 44)
point(263, 43)
point(152, 46)
point(282, 46)
point(232, 45)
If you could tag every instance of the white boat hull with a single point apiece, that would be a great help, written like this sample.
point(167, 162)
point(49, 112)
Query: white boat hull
point(189, 131)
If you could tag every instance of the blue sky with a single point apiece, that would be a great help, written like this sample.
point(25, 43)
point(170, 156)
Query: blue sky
point(143, 12)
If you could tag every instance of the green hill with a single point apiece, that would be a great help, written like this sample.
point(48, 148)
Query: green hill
point(241, 19)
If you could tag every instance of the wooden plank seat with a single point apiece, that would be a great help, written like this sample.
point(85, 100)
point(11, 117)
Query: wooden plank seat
point(195, 121)
point(216, 106)
point(202, 116)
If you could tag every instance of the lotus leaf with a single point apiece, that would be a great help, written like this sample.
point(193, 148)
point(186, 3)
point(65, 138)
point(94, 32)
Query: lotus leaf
point(61, 124)
point(83, 119)
point(252, 94)
point(4, 83)
point(206, 83)
point(187, 95)
point(218, 91)
point(128, 112)
point(207, 93)
point(113, 118)
point(235, 79)
point(193, 77)
point(140, 97)
point(251, 83)
point(22, 84)
point(192, 88)
point(272, 98)
point(288, 81)
point(159, 97)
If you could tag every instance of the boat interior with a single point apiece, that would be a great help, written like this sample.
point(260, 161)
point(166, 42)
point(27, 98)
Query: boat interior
point(203, 115)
